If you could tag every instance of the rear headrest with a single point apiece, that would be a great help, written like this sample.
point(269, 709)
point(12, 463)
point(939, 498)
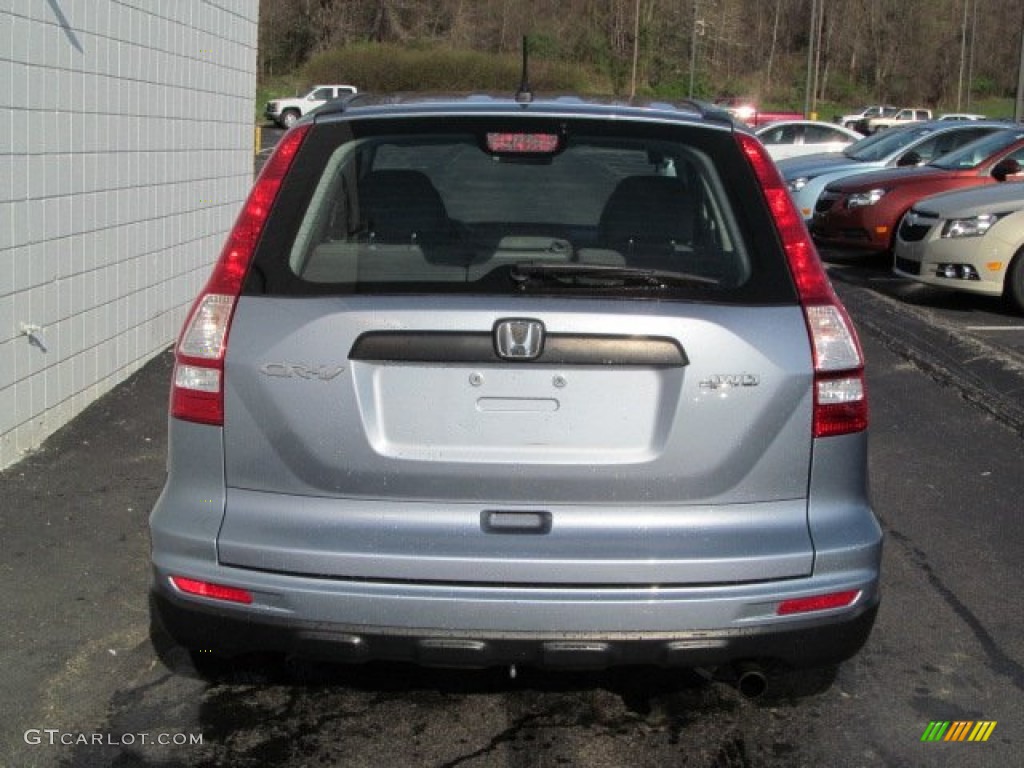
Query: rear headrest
point(399, 204)
point(648, 210)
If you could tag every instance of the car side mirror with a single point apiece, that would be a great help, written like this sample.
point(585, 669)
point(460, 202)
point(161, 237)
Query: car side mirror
point(911, 158)
point(1005, 167)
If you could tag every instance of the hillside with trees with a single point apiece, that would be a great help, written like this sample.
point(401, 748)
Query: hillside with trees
point(953, 53)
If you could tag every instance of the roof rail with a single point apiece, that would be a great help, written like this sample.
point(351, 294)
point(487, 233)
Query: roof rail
point(340, 104)
point(709, 111)
point(705, 110)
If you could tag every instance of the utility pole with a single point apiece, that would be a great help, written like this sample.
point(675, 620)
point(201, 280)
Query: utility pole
point(1018, 112)
point(811, 45)
point(693, 44)
point(636, 49)
point(817, 59)
point(970, 55)
point(963, 57)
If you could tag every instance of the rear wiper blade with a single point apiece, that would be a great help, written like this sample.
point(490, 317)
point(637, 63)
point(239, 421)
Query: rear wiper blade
point(524, 271)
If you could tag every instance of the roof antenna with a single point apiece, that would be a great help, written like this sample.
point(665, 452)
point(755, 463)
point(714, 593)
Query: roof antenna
point(524, 95)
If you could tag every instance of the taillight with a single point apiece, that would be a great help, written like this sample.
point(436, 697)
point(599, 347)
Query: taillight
point(840, 400)
point(840, 397)
point(197, 389)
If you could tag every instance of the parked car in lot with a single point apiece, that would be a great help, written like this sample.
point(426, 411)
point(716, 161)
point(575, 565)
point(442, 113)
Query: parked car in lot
point(970, 240)
point(285, 112)
point(748, 113)
point(502, 381)
point(858, 120)
point(792, 138)
point(806, 177)
point(902, 117)
point(960, 116)
point(862, 212)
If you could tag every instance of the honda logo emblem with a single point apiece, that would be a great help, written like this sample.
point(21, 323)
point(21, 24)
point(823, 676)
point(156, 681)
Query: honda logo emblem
point(519, 339)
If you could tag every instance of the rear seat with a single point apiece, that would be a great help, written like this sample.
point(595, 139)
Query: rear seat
point(653, 222)
point(403, 206)
point(406, 235)
point(652, 214)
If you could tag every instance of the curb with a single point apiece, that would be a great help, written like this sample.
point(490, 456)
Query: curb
point(988, 377)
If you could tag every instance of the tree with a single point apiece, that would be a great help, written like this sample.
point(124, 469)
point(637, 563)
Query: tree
point(893, 50)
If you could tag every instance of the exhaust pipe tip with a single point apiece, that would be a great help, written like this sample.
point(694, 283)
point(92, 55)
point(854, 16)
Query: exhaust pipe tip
point(751, 680)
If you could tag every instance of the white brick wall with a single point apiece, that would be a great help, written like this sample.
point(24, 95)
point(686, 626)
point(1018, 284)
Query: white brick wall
point(126, 138)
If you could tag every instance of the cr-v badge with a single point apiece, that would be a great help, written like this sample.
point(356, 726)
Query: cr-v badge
point(300, 371)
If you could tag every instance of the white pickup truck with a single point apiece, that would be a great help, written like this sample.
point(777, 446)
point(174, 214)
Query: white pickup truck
point(904, 116)
point(858, 120)
point(285, 112)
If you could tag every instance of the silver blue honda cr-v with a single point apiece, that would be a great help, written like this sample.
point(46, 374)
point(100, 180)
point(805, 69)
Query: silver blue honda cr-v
point(491, 381)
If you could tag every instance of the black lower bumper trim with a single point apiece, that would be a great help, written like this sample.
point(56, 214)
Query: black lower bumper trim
point(200, 629)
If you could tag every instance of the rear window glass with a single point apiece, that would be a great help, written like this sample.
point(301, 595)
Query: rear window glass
point(546, 207)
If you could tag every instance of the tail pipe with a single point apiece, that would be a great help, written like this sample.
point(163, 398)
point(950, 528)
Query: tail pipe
point(751, 679)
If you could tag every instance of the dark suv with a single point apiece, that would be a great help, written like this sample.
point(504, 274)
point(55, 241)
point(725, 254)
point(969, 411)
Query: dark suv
point(489, 381)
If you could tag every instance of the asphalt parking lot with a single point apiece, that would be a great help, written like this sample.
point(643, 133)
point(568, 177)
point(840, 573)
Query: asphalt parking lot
point(948, 403)
point(946, 476)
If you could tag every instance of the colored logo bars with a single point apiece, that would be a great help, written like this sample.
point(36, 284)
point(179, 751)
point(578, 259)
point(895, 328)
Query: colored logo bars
point(958, 730)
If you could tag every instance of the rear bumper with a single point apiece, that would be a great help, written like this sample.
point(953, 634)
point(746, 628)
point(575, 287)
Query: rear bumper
point(634, 632)
point(452, 617)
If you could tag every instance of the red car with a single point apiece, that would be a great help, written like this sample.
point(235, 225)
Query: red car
point(746, 111)
point(862, 212)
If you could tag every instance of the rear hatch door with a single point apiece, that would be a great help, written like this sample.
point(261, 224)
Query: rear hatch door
point(372, 438)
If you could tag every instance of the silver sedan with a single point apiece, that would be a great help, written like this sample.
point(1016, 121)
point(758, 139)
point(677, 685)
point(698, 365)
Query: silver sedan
point(791, 138)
